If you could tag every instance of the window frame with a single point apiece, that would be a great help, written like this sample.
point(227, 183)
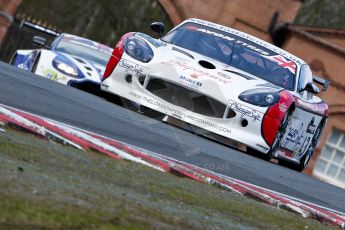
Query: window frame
point(329, 162)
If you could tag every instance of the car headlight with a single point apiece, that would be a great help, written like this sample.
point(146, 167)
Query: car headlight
point(260, 97)
point(138, 49)
point(65, 66)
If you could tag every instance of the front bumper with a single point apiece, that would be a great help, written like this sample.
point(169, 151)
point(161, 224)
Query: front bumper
point(232, 123)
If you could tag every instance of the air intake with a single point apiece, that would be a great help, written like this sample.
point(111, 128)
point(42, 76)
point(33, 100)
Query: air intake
point(206, 64)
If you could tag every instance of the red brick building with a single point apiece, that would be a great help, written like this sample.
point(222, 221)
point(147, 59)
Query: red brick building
point(7, 8)
point(323, 49)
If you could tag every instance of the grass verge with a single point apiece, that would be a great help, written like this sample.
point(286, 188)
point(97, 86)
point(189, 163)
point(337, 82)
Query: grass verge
point(44, 185)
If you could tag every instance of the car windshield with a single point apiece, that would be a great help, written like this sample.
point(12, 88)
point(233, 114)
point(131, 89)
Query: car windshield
point(235, 51)
point(84, 48)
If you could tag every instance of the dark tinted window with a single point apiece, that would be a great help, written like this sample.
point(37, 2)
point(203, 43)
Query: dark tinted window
point(84, 48)
point(235, 51)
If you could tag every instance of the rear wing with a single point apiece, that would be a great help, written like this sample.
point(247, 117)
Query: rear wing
point(323, 82)
point(39, 28)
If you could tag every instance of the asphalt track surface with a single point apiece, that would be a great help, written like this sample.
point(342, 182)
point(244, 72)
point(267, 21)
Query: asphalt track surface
point(37, 95)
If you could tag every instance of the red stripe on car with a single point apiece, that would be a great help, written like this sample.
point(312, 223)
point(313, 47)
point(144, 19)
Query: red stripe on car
point(274, 115)
point(116, 55)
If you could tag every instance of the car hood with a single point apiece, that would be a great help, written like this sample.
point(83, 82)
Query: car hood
point(203, 74)
point(88, 70)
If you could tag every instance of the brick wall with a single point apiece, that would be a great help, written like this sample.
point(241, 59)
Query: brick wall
point(7, 9)
point(250, 16)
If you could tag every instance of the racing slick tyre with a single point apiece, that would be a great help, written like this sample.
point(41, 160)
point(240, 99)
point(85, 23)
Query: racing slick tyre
point(277, 140)
point(307, 156)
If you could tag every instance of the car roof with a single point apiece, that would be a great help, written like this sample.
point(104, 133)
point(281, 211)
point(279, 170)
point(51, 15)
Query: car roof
point(246, 36)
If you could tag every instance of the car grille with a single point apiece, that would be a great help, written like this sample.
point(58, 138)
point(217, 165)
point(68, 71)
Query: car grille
point(186, 98)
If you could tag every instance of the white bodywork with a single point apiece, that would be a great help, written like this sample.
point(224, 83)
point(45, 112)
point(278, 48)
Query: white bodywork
point(178, 69)
point(171, 64)
point(45, 68)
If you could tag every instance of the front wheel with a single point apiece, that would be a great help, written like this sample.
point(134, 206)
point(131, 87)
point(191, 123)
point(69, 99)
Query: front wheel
point(279, 136)
point(277, 140)
point(309, 153)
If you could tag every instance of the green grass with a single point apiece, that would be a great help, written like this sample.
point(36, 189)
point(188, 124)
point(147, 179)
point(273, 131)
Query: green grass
point(44, 185)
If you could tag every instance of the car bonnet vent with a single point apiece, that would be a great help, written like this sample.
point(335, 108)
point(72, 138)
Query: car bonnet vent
point(182, 52)
point(206, 64)
point(79, 60)
point(239, 74)
point(88, 68)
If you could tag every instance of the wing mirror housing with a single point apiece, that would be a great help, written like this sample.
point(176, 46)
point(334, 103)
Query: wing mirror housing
point(157, 27)
point(312, 88)
point(39, 41)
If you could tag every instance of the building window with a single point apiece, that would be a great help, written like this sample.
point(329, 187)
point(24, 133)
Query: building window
point(330, 166)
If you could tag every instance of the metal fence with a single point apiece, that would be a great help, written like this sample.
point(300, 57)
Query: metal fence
point(19, 36)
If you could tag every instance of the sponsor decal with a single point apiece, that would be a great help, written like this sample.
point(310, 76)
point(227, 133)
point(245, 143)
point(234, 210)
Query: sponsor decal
point(23, 66)
point(244, 44)
point(25, 62)
point(247, 37)
point(216, 34)
point(179, 114)
point(283, 107)
point(262, 147)
point(246, 111)
point(283, 62)
point(190, 82)
point(294, 135)
point(311, 127)
point(130, 66)
point(52, 75)
point(229, 38)
point(295, 140)
point(194, 72)
point(302, 148)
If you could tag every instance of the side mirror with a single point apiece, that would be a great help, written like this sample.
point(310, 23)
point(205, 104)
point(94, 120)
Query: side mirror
point(312, 88)
point(39, 41)
point(157, 27)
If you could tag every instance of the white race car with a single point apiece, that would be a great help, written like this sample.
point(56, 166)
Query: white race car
point(225, 82)
point(69, 59)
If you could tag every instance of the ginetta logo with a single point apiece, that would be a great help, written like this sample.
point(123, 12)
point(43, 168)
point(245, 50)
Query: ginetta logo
point(191, 81)
point(283, 107)
point(194, 72)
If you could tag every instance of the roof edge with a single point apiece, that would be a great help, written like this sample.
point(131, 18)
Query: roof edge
point(317, 39)
point(319, 29)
